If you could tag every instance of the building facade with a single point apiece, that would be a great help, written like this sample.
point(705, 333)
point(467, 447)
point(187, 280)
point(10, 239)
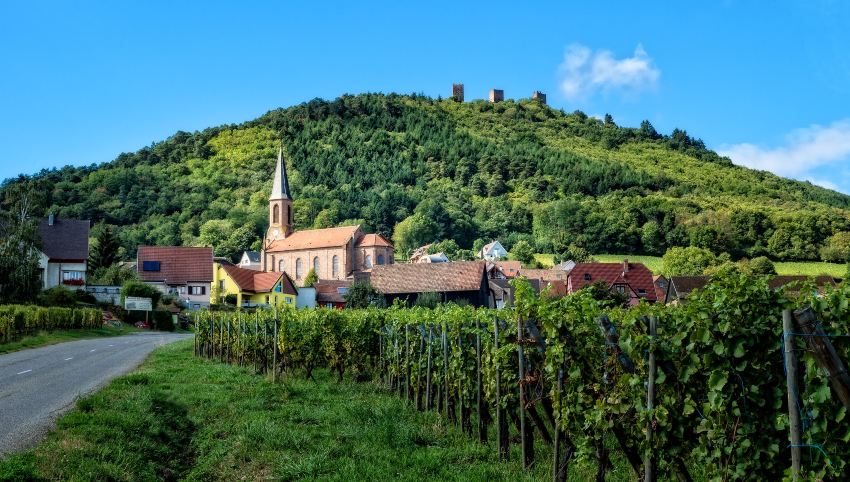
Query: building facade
point(64, 252)
point(181, 271)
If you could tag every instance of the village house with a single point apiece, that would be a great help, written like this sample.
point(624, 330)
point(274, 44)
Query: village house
point(493, 251)
point(333, 253)
point(251, 288)
point(64, 252)
point(460, 280)
point(660, 283)
point(181, 271)
point(634, 280)
point(679, 287)
point(251, 260)
point(331, 293)
point(504, 269)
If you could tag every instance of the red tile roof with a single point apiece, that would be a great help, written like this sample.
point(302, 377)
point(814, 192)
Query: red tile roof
point(314, 238)
point(428, 277)
point(178, 264)
point(509, 268)
point(327, 291)
point(544, 274)
point(638, 277)
point(373, 240)
point(257, 281)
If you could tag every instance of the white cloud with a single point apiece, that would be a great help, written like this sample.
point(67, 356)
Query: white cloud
point(824, 183)
point(804, 150)
point(585, 72)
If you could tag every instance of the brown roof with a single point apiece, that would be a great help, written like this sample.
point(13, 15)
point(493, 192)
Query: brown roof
point(545, 274)
point(428, 277)
point(685, 284)
point(327, 291)
point(509, 268)
point(257, 281)
point(66, 240)
point(374, 240)
point(637, 277)
point(178, 264)
point(314, 238)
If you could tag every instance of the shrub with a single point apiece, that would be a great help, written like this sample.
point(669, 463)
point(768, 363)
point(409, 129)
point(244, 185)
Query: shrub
point(762, 265)
point(57, 296)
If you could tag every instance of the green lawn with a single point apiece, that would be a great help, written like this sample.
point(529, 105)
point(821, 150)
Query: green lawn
point(811, 268)
point(51, 337)
point(184, 418)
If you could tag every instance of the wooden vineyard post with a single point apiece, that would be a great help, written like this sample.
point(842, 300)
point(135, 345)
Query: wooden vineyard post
point(445, 370)
point(501, 419)
point(459, 409)
point(274, 349)
point(825, 354)
point(265, 346)
point(649, 474)
point(397, 375)
point(479, 392)
point(527, 454)
point(381, 370)
point(428, 395)
point(419, 368)
point(791, 380)
point(407, 362)
point(559, 469)
point(210, 343)
point(221, 338)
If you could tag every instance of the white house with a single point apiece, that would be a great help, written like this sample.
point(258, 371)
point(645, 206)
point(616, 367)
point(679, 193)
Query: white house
point(64, 252)
point(251, 260)
point(433, 258)
point(493, 251)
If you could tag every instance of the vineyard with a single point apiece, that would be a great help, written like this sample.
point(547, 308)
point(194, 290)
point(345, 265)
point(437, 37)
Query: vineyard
point(21, 320)
point(696, 391)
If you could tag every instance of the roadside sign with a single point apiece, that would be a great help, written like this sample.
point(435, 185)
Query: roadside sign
point(134, 303)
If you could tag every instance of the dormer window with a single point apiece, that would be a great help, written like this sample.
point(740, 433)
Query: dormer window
point(587, 276)
point(641, 292)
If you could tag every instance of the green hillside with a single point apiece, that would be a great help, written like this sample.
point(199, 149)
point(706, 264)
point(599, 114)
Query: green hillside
point(464, 171)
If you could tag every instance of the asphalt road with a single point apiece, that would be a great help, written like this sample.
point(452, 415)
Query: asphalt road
point(39, 384)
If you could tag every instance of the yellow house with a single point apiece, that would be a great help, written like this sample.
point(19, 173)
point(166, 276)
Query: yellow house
point(252, 288)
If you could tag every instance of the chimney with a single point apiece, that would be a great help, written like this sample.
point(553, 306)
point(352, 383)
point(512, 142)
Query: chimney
point(457, 92)
point(50, 219)
point(496, 95)
point(625, 266)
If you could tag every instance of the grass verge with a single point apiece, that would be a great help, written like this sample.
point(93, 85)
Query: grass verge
point(183, 418)
point(43, 338)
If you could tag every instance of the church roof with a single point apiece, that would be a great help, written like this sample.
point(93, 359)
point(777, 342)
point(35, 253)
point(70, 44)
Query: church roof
point(280, 186)
point(314, 239)
point(373, 240)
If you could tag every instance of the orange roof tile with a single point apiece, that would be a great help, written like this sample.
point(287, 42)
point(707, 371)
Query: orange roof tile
point(314, 238)
point(257, 281)
point(374, 240)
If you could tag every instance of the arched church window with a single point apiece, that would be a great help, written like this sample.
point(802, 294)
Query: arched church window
point(335, 267)
point(368, 261)
point(380, 259)
point(281, 265)
point(316, 265)
point(299, 268)
point(272, 263)
point(276, 214)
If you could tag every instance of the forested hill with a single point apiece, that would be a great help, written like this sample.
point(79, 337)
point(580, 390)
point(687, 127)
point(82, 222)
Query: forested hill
point(430, 169)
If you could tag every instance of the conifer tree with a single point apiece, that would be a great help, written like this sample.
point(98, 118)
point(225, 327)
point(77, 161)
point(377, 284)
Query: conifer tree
point(105, 251)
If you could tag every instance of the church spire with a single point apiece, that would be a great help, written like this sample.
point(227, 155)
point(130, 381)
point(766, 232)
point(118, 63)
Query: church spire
point(280, 187)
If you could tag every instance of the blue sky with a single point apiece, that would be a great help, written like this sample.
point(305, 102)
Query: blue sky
point(766, 83)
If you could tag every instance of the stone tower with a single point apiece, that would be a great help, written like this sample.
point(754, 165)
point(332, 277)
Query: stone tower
point(539, 97)
point(280, 203)
point(457, 92)
point(496, 95)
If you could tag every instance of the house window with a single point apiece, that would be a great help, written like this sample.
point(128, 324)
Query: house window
point(335, 266)
point(368, 262)
point(221, 284)
point(641, 292)
point(196, 290)
point(181, 290)
point(276, 214)
point(267, 299)
point(272, 263)
point(299, 268)
point(73, 278)
point(316, 265)
point(380, 259)
point(281, 266)
point(587, 276)
point(621, 289)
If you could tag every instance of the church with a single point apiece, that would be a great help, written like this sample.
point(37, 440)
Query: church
point(333, 253)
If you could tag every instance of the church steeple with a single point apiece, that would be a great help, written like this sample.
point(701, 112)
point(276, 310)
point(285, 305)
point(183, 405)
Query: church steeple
point(280, 186)
point(280, 203)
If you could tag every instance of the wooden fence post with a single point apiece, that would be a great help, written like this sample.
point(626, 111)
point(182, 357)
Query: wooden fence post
point(825, 354)
point(791, 380)
point(648, 460)
point(527, 455)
